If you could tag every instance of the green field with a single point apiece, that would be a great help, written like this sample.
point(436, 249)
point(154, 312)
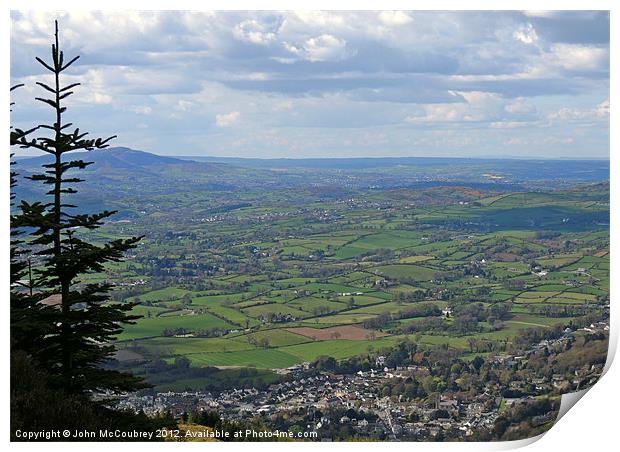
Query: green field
point(260, 358)
point(151, 327)
point(414, 272)
point(368, 264)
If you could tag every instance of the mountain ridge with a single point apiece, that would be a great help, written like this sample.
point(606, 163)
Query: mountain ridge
point(119, 156)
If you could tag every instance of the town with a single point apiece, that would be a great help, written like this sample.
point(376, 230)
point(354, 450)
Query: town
point(328, 403)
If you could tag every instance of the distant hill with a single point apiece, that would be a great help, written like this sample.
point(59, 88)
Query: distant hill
point(122, 159)
point(520, 169)
point(436, 170)
point(357, 163)
point(111, 158)
point(120, 172)
point(121, 176)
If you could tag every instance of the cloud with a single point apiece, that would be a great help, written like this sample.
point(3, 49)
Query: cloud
point(183, 105)
point(520, 106)
point(574, 27)
point(602, 109)
point(227, 119)
point(395, 18)
point(580, 58)
point(322, 82)
point(598, 112)
point(320, 19)
point(321, 48)
point(526, 34)
point(255, 32)
point(476, 106)
point(541, 13)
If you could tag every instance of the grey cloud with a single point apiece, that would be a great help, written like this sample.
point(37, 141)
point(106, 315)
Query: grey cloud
point(575, 27)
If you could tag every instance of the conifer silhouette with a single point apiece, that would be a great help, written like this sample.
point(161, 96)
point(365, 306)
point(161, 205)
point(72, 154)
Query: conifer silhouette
point(84, 321)
point(29, 318)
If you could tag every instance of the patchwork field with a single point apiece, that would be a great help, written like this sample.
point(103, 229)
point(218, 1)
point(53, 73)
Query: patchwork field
point(341, 279)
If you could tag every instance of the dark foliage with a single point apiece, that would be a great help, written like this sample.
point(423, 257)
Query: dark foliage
point(70, 339)
point(37, 406)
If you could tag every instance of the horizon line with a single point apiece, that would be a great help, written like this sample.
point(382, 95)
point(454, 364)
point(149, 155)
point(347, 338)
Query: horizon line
point(483, 157)
point(477, 157)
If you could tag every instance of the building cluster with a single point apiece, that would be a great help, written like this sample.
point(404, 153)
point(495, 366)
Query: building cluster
point(319, 400)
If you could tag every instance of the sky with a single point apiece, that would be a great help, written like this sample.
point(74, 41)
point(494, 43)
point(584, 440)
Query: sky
point(328, 84)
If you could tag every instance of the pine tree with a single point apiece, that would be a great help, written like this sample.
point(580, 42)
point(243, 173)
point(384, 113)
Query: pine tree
point(30, 320)
point(85, 321)
point(17, 266)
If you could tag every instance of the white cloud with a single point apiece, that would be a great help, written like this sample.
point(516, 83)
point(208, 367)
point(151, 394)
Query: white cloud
point(482, 107)
point(227, 119)
point(600, 111)
point(478, 106)
point(580, 57)
point(321, 18)
point(520, 107)
point(100, 98)
point(183, 105)
point(255, 32)
point(325, 47)
point(394, 18)
point(90, 30)
point(541, 13)
point(526, 34)
point(440, 112)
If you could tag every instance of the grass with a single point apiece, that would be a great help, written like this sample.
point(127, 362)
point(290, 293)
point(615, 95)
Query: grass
point(232, 316)
point(414, 259)
point(311, 304)
point(344, 319)
point(515, 222)
point(154, 326)
point(277, 337)
point(328, 288)
point(361, 300)
point(172, 346)
point(400, 271)
point(390, 307)
point(259, 358)
point(211, 300)
point(167, 294)
point(145, 310)
point(265, 310)
point(339, 349)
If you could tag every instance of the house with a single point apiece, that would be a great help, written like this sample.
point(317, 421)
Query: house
point(448, 404)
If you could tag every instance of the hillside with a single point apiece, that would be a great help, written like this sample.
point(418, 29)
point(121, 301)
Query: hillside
point(121, 173)
point(126, 179)
point(114, 157)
